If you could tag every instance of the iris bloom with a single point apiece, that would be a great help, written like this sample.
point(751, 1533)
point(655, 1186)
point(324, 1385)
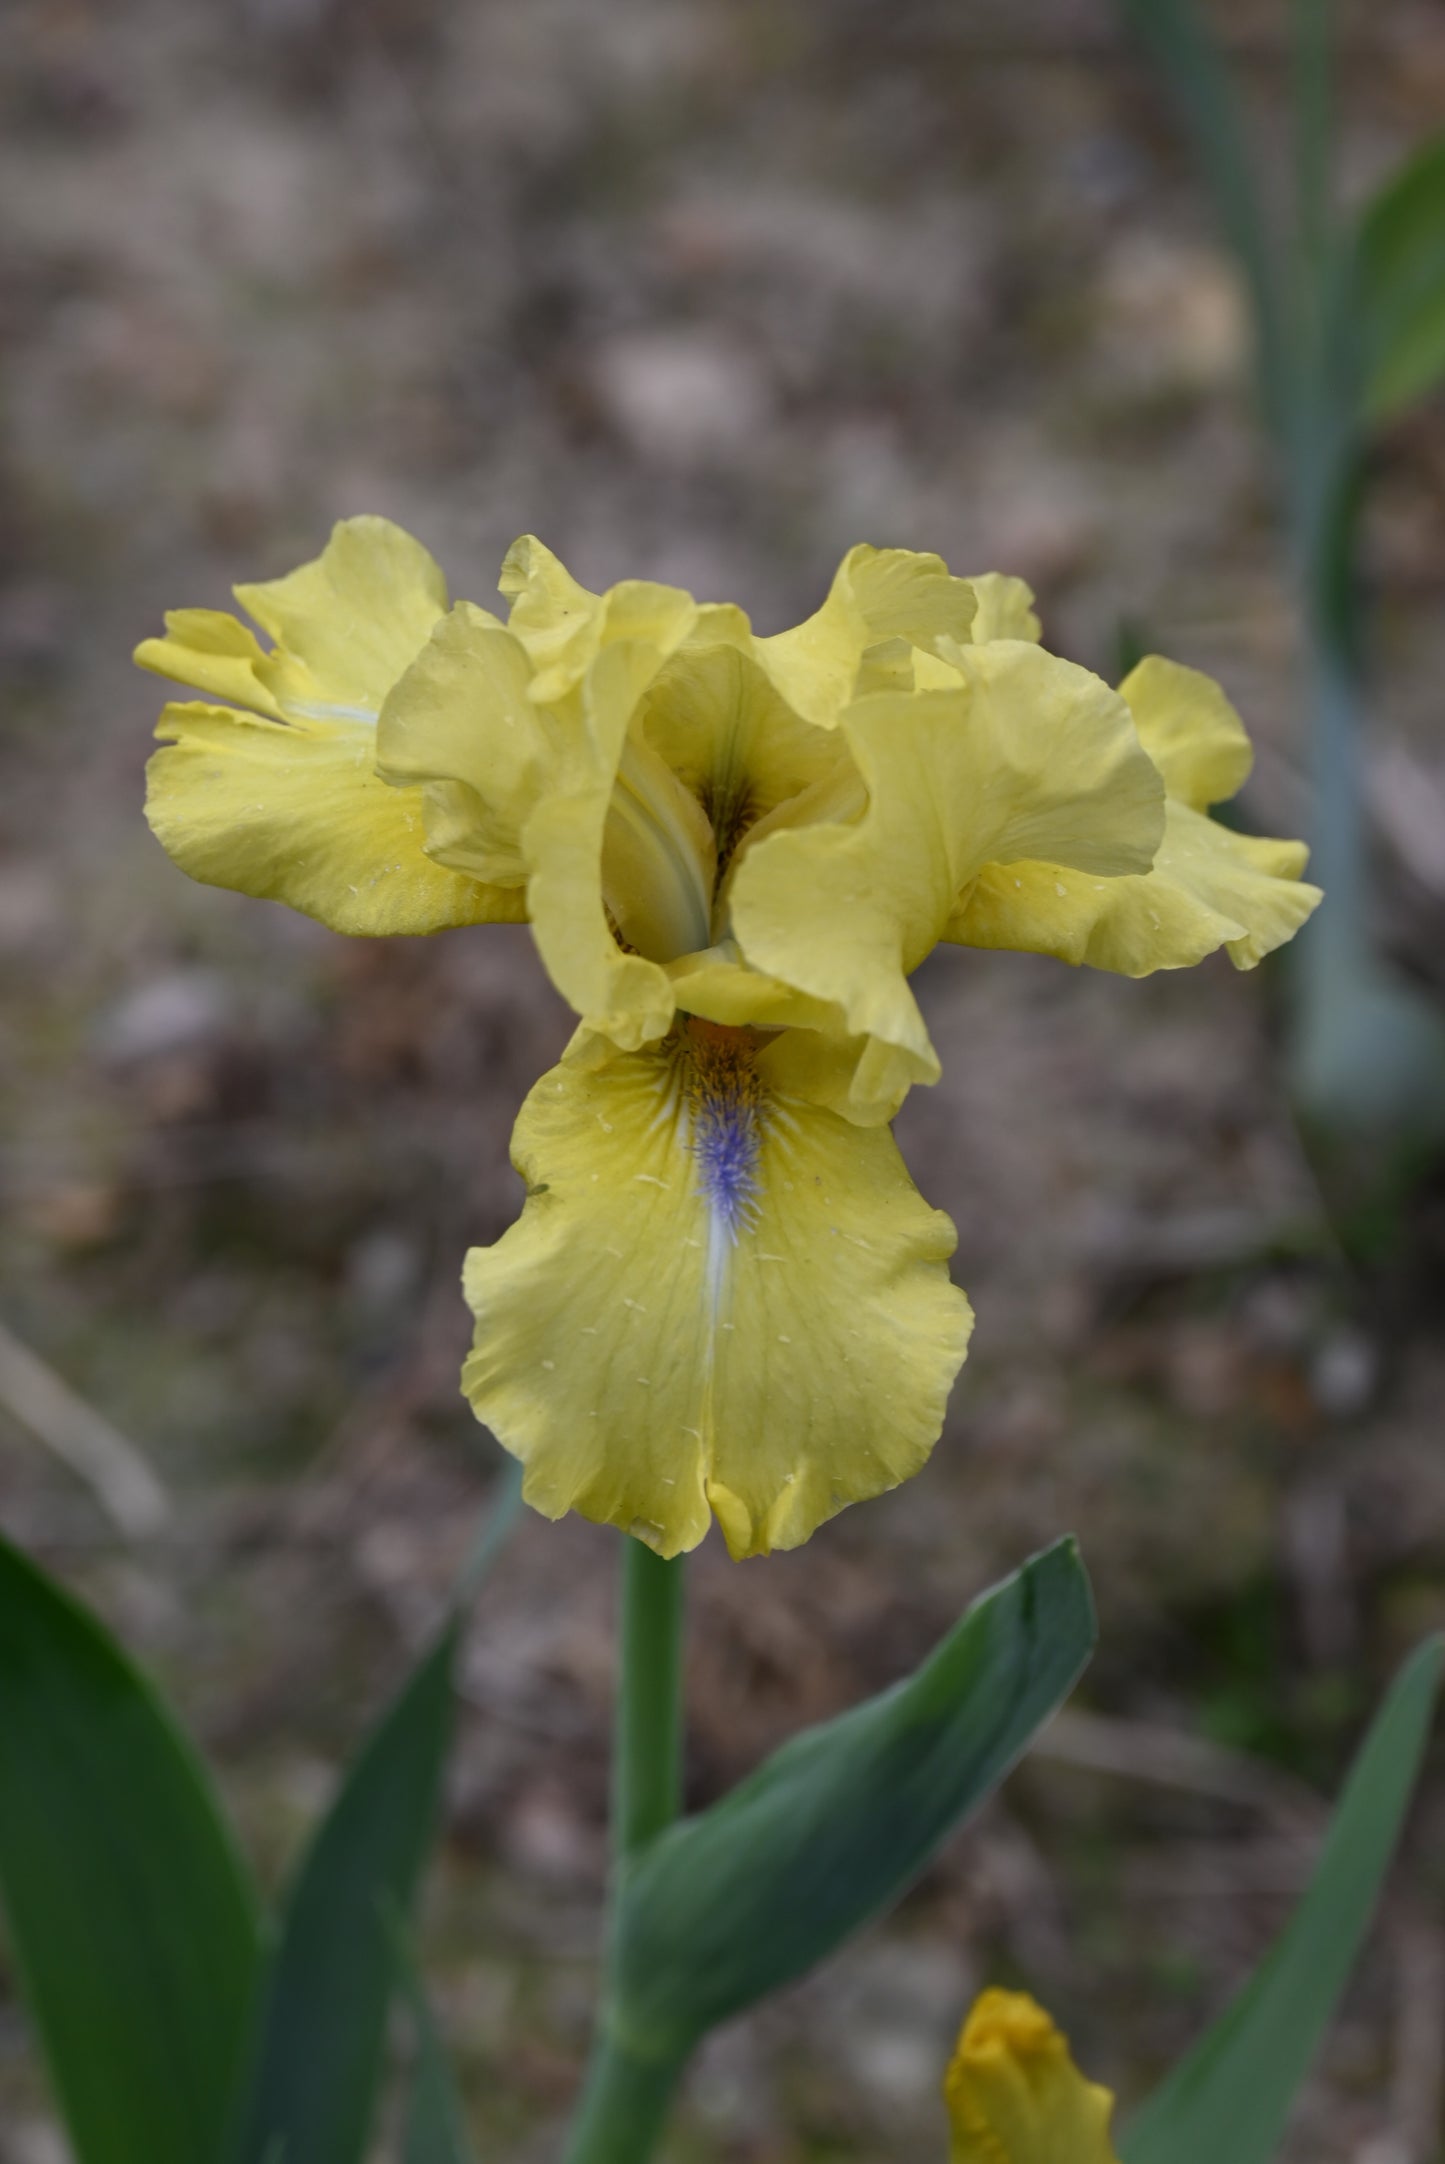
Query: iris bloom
point(724, 1296)
point(1015, 2095)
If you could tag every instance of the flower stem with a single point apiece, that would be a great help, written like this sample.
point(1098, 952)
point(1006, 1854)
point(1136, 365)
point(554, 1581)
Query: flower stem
point(647, 1767)
point(626, 2095)
point(623, 2106)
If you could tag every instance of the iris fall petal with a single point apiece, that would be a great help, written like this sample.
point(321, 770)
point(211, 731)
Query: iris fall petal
point(1209, 887)
point(717, 1300)
point(284, 801)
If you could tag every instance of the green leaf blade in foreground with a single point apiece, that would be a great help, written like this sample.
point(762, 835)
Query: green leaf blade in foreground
point(730, 1905)
point(1231, 2096)
point(311, 2095)
point(131, 1914)
point(436, 2129)
point(1401, 284)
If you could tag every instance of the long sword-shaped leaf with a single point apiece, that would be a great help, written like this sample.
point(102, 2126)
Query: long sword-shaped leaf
point(1401, 283)
point(1231, 2096)
point(312, 2091)
point(318, 2055)
point(436, 2128)
point(132, 1919)
point(732, 1904)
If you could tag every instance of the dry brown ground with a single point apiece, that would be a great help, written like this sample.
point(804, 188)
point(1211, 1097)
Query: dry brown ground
point(704, 291)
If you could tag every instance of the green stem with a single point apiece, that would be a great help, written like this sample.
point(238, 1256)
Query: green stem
point(647, 1767)
point(623, 2107)
point(626, 2095)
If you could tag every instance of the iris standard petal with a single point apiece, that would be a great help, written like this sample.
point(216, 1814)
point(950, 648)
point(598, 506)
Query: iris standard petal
point(1027, 753)
point(285, 802)
point(548, 782)
point(1015, 2095)
point(877, 594)
point(555, 618)
point(462, 726)
point(625, 996)
point(1209, 887)
point(717, 1300)
point(1005, 608)
point(294, 813)
point(720, 723)
point(563, 625)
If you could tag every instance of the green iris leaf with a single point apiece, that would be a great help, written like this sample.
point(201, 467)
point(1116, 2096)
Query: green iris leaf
point(720, 1909)
point(131, 1915)
point(1401, 283)
point(1231, 2096)
point(436, 2129)
point(318, 2055)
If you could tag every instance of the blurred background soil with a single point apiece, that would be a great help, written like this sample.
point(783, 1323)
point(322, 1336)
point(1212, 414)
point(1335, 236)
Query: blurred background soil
point(702, 290)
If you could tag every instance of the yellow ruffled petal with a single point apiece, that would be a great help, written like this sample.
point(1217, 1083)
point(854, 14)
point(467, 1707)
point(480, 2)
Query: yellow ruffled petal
point(347, 625)
point(1005, 608)
point(1027, 753)
point(534, 778)
point(344, 627)
point(289, 805)
point(1190, 731)
point(1015, 2095)
point(294, 813)
point(563, 626)
point(1209, 887)
point(213, 653)
point(555, 618)
point(718, 1299)
point(877, 594)
point(461, 726)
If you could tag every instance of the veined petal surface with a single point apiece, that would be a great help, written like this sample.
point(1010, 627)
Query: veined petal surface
point(345, 626)
point(718, 1300)
point(295, 813)
point(1026, 754)
point(1209, 887)
point(1015, 2095)
point(284, 801)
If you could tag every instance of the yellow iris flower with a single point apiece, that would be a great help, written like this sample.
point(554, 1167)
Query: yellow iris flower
point(724, 1296)
point(1015, 2095)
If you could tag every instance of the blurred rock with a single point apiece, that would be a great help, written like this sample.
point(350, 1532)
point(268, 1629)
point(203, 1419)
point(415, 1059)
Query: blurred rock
point(544, 1836)
point(1344, 1373)
point(685, 398)
point(178, 1012)
point(1172, 316)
